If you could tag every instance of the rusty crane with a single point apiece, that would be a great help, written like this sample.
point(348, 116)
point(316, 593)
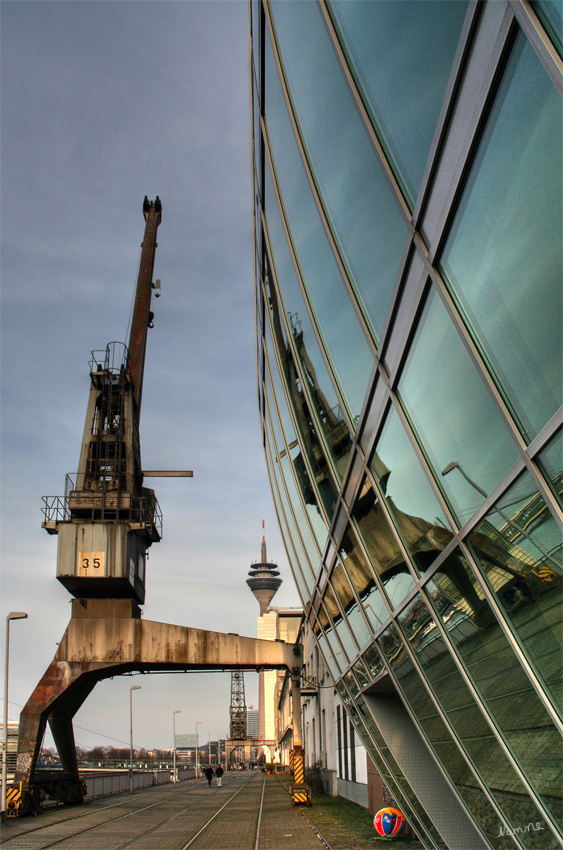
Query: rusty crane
point(105, 524)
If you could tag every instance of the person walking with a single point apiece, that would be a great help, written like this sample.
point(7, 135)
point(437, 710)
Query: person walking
point(209, 775)
point(219, 775)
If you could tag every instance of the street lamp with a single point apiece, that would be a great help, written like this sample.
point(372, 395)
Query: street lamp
point(13, 615)
point(209, 746)
point(131, 689)
point(196, 750)
point(174, 713)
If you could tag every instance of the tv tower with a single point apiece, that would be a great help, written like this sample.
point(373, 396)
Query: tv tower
point(264, 581)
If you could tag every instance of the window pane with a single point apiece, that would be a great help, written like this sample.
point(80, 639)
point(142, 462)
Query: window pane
point(313, 367)
point(503, 257)
point(402, 53)
point(340, 625)
point(347, 346)
point(305, 422)
point(497, 675)
point(356, 622)
point(385, 554)
point(292, 551)
point(453, 413)
point(551, 462)
point(362, 211)
point(468, 722)
point(361, 575)
point(520, 550)
point(408, 494)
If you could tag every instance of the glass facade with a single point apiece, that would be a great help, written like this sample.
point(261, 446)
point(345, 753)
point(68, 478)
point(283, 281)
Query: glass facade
point(408, 242)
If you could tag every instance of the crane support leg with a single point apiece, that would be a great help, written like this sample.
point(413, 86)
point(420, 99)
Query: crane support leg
point(96, 647)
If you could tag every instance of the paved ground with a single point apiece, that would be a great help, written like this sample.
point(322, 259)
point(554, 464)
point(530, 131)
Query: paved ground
point(252, 811)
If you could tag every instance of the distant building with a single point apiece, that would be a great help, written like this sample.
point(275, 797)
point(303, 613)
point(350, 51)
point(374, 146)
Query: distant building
point(408, 208)
point(252, 723)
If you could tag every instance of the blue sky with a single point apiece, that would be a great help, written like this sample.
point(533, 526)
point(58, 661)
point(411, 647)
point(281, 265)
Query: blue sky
point(103, 103)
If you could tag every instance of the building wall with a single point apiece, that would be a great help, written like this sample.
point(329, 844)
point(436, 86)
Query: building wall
point(408, 258)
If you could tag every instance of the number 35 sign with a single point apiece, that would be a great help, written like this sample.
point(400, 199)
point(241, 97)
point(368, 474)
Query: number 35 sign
point(91, 564)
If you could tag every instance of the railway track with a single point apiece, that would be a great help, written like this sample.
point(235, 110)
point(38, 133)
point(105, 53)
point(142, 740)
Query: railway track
point(245, 814)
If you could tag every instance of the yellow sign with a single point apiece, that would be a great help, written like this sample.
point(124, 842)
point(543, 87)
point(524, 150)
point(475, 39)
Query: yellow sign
point(91, 564)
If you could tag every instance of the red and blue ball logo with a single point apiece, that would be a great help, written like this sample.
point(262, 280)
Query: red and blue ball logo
point(389, 822)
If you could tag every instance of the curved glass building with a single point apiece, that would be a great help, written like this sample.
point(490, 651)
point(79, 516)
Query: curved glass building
point(408, 258)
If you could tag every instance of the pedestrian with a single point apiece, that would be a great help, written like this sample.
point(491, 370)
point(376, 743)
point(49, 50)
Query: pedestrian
point(219, 775)
point(209, 774)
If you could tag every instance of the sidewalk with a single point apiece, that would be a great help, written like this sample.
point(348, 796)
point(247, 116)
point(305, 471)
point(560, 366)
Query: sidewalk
point(346, 826)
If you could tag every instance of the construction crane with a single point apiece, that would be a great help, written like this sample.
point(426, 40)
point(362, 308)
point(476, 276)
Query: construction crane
point(107, 519)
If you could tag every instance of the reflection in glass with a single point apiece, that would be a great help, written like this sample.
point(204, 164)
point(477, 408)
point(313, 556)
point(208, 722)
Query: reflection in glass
point(496, 673)
point(361, 575)
point(362, 211)
point(551, 13)
point(408, 494)
point(300, 517)
point(373, 661)
point(551, 461)
point(327, 653)
point(318, 385)
point(382, 547)
point(441, 741)
point(339, 623)
point(520, 550)
point(330, 636)
point(306, 424)
point(468, 722)
point(348, 349)
point(452, 411)
point(402, 53)
point(356, 622)
point(503, 257)
point(299, 563)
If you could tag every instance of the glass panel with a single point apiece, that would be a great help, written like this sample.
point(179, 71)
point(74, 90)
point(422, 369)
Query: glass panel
point(302, 588)
point(313, 367)
point(402, 54)
point(354, 618)
point(326, 651)
point(362, 211)
point(520, 550)
point(551, 462)
point(340, 624)
point(373, 662)
point(440, 670)
point(408, 494)
point(305, 422)
point(325, 622)
point(308, 494)
point(453, 412)
point(551, 13)
point(361, 576)
point(496, 673)
point(306, 569)
point(347, 346)
point(299, 513)
point(361, 674)
point(504, 254)
point(382, 547)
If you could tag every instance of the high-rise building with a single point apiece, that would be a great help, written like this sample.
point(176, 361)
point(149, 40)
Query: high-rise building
point(408, 258)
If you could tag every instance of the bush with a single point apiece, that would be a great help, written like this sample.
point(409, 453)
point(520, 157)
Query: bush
point(313, 777)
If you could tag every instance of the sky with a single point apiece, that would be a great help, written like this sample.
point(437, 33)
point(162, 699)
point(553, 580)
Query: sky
point(102, 104)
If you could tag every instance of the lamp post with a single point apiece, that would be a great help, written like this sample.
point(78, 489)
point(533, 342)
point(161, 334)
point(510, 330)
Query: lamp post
point(13, 615)
point(209, 746)
point(174, 713)
point(131, 689)
point(196, 750)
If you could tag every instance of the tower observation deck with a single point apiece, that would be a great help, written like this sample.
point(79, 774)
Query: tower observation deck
point(264, 581)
